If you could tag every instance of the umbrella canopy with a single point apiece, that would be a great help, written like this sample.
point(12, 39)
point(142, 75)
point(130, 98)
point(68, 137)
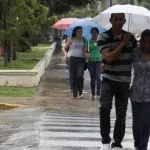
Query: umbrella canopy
point(137, 17)
point(63, 23)
point(86, 25)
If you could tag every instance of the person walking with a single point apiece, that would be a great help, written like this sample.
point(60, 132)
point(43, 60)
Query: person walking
point(76, 61)
point(92, 54)
point(116, 46)
point(66, 38)
point(140, 93)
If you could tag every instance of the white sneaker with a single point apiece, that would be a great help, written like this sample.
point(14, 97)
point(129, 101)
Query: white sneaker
point(116, 148)
point(98, 97)
point(105, 147)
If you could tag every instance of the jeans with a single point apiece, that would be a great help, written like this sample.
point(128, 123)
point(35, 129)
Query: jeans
point(95, 72)
point(141, 124)
point(76, 66)
point(120, 90)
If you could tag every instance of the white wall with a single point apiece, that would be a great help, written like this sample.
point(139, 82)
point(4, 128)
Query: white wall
point(27, 78)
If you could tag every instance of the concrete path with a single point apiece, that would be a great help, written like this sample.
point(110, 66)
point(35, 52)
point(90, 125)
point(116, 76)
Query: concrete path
point(79, 131)
point(51, 120)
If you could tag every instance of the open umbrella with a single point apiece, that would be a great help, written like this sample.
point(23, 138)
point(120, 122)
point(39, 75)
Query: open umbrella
point(86, 25)
point(137, 17)
point(63, 23)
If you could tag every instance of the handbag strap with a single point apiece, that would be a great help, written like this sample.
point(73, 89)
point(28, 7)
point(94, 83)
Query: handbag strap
point(88, 45)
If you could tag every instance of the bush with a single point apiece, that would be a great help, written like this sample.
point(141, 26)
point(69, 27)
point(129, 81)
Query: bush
point(23, 46)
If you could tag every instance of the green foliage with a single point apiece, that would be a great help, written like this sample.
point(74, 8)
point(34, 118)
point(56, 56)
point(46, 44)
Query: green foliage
point(52, 20)
point(62, 6)
point(25, 17)
point(81, 13)
point(121, 1)
point(145, 3)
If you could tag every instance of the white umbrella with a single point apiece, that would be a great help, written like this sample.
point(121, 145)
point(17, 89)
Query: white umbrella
point(137, 17)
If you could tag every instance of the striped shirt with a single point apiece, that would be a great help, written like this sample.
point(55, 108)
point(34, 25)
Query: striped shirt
point(120, 69)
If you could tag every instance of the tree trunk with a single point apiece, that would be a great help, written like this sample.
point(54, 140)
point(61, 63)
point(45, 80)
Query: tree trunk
point(9, 51)
point(34, 40)
point(14, 54)
point(5, 54)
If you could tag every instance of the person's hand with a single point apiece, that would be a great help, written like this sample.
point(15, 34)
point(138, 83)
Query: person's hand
point(103, 67)
point(126, 38)
point(86, 55)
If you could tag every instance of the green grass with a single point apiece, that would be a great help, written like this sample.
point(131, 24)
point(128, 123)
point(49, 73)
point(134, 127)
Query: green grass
point(44, 45)
point(37, 52)
point(26, 60)
point(17, 91)
point(19, 64)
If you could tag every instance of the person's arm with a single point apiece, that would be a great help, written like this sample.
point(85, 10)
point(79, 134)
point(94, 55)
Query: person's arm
point(85, 50)
point(86, 53)
point(66, 47)
point(109, 56)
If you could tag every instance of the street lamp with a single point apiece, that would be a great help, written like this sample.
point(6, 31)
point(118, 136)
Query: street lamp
point(108, 3)
point(133, 2)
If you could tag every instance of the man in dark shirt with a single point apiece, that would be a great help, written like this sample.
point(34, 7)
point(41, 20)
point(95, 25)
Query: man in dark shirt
point(116, 46)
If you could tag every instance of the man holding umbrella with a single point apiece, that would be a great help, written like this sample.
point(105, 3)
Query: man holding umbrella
point(116, 46)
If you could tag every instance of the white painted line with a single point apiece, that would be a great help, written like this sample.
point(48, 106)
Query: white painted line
point(68, 120)
point(75, 128)
point(48, 134)
point(69, 123)
point(85, 144)
point(76, 121)
point(69, 143)
point(68, 117)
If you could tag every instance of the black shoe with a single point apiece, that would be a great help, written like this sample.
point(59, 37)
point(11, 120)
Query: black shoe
point(113, 145)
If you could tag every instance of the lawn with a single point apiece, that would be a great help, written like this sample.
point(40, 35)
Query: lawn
point(6, 91)
point(26, 60)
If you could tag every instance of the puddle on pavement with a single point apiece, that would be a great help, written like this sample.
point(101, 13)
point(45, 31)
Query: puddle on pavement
point(8, 106)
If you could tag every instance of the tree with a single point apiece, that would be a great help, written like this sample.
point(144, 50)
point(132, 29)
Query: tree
point(144, 3)
point(62, 6)
point(20, 20)
point(81, 13)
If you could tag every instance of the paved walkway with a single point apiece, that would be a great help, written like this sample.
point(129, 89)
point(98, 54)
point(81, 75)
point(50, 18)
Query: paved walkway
point(79, 131)
point(51, 120)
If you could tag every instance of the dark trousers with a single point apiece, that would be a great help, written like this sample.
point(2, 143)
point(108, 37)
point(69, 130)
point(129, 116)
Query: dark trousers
point(95, 72)
point(120, 90)
point(76, 66)
point(141, 124)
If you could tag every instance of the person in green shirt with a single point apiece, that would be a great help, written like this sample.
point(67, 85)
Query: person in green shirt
point(92, 54)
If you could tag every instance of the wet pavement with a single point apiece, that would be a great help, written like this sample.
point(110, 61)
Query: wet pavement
point(51, 120)
point(19, 129)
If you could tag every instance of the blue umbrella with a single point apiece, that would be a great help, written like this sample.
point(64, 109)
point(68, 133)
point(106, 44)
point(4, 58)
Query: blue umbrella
point(86, 25)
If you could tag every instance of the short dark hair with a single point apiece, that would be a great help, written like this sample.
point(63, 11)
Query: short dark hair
point(112, 15)
point(74, 30)
point(96, 29)
point(145, 33)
